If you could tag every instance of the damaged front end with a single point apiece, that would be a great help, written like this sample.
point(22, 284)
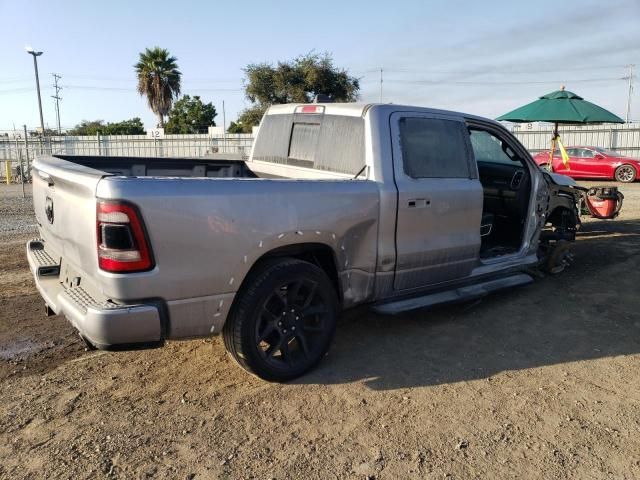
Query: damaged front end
point(562, 222)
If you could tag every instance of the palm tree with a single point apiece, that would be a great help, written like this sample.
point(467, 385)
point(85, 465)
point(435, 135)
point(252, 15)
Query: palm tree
point(158, 80)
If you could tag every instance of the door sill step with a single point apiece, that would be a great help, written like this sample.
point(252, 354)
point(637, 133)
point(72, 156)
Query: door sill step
point(468, 292)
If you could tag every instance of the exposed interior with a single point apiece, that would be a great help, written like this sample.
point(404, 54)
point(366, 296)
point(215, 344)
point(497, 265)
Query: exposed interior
point(506, 182)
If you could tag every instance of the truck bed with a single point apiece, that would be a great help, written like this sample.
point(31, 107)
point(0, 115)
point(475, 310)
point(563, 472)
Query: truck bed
point(164, 167)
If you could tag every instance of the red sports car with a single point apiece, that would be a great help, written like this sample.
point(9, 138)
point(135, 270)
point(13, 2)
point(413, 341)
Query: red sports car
point(593, 162)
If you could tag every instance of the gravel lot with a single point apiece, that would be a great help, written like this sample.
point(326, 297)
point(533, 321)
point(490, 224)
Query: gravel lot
point(538, 382)
point(16, 212)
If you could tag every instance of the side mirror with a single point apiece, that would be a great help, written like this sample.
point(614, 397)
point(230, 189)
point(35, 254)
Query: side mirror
point(598, 156)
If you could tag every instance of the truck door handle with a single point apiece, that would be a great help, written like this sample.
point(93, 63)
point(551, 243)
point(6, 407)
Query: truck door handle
point(418, 202)
point(46, 177)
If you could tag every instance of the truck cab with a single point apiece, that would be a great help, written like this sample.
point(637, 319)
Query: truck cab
point(459, 195)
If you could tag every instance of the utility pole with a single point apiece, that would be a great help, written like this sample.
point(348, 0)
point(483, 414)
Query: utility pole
point(57, 98)
point(224, 127)
point(381, 85)
point(26, 148)
point(26, 154)
point(628, 119)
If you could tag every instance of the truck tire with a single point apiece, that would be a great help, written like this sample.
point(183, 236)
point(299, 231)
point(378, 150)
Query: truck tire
point(283, 320)
point(559, 258)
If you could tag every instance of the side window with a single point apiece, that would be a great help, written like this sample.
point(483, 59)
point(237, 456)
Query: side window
point(489, 148)
point(586, 153)
point(433, 148)
point(572, 152)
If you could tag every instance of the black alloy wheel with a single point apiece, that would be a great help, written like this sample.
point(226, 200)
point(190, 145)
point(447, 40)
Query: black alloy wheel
point(284, 320)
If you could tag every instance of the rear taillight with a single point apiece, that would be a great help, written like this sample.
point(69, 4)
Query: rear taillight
point(122, 242)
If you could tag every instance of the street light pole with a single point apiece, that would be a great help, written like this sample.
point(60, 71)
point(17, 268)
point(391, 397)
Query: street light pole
point(35, 54)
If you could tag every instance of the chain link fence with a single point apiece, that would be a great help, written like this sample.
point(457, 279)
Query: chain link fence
point(16, 152)
point(623, 138)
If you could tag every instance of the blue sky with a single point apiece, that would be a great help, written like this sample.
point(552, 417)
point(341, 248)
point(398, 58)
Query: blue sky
point(480, 57)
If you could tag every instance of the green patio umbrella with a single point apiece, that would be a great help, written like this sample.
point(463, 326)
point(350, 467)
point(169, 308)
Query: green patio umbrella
point(558, 107)
point(561, 106)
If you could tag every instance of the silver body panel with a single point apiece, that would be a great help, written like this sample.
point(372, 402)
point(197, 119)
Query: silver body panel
point(207, 233)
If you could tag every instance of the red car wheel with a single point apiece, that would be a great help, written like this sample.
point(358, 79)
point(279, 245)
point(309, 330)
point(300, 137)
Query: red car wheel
point(625, 174)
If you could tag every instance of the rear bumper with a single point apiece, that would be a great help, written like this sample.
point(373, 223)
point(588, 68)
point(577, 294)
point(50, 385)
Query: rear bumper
point(103, 323)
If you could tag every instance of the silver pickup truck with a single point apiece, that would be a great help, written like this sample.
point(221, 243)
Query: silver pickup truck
point(338, 205)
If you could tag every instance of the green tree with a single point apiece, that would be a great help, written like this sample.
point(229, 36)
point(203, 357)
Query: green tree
point(48, 132)
point(158, 80)
point(126, 127)
point(191, 115)
point(87, 127)
point(250, 117)
point(236, 127)
point(295, 81)
point(133, 126)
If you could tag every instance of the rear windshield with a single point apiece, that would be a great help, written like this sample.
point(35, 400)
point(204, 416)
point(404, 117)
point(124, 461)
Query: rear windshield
point(325, 142)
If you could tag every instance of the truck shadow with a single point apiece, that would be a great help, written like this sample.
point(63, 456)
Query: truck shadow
point(588, 312)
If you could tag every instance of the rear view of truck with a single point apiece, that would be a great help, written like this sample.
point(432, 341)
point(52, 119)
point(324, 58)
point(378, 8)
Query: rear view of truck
point(83, 239)
point(136, 251)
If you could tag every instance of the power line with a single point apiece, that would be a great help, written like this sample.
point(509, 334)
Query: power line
point(387, 80)
point(17, 90)
point(488, 69)
point(132, 90)
point(497, 82)
point(15, 79)
point(57, 98)
point(133, 80)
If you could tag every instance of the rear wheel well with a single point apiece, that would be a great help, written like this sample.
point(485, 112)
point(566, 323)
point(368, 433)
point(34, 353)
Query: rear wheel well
point(318, 254)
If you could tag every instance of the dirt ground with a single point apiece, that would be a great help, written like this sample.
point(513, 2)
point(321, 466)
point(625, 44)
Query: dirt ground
point(538, 382)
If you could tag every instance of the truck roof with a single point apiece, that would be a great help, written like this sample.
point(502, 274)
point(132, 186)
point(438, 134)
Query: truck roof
point(347, 109)
point(359, 109)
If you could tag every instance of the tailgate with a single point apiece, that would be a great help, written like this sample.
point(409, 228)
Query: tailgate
point(65, 208)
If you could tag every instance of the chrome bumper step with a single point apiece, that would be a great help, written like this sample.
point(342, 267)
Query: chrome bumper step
point(46, 265)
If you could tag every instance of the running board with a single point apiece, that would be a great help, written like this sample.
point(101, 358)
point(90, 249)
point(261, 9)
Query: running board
point(459, 294)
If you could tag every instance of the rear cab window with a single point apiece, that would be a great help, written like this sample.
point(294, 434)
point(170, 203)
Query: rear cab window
point(332, 143)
